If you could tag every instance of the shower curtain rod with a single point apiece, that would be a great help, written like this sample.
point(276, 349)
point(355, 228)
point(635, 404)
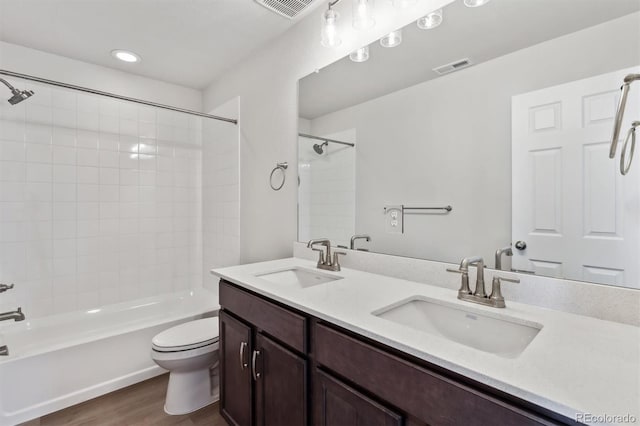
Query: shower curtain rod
point(304, 135)
point(113, 95)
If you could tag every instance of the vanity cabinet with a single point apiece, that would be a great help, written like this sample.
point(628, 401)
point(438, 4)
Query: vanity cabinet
point(303, 370)
point(235, 375)
point(263, 364)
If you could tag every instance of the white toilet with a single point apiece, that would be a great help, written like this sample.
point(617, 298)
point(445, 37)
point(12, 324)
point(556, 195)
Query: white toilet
point(190, 352)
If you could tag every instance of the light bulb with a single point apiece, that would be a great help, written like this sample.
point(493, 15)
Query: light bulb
point(125, 55)
point(403, 4)
point(392, 39)
point(475, 3)
point(360, 55)
point(431, 20)
point(329, 31)
point(363, 14)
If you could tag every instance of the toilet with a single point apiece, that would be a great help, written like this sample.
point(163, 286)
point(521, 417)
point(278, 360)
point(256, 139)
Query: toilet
point(190, 352)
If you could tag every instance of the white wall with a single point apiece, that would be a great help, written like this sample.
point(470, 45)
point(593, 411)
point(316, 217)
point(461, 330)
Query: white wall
point(266, 83)
point(54, 67)
point(448, 141)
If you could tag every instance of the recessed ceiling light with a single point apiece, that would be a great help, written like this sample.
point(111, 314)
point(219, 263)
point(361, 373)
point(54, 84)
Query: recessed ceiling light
point(475, 3)
point(125, 55)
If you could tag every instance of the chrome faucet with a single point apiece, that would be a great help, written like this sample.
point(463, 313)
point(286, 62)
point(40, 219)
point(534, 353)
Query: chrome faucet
point(326, 262)
point(479, 262)
point(5, 287)
point(358, 237)
point(507, 251)
point(479, 295)
point(4, 350)
point(14, 315)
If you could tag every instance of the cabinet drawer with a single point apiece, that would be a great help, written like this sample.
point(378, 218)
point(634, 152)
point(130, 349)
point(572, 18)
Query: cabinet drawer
point(284, 325)
point(428, 396)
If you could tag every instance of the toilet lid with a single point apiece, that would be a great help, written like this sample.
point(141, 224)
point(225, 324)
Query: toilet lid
point(198, 332)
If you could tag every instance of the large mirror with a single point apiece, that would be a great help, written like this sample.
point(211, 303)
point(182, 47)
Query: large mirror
point(490, 131)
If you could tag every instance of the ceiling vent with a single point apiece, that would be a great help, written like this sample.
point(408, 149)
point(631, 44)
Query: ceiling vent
point(287, 8)
point(453, 66)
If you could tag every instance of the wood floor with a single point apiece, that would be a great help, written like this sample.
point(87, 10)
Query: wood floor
point(140, 404)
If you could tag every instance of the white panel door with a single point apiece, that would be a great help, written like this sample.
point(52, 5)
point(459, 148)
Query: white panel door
point(579, 217)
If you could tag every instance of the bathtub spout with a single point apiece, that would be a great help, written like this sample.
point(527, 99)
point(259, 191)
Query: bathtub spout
point(4, 350)
point(14, 315)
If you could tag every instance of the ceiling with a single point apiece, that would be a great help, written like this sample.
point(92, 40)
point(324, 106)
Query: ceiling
point(496, 29)
point(187, 42)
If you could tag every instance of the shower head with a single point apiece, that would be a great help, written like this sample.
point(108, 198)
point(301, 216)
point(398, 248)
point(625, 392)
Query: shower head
point(18, 95)
point(318, 148)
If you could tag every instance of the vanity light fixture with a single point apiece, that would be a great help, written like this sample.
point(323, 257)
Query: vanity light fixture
point(363, 14)
point(329, 27)
point(360, 55)
point(403, 4)
point(431, 20)
point(392, 39)
point(475, 3)
point(125, 55)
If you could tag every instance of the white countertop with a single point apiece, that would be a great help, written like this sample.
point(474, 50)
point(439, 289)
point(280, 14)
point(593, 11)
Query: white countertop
point(576, 364)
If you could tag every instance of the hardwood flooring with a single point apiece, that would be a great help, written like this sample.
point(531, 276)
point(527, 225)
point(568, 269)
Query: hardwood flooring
point(140, 404)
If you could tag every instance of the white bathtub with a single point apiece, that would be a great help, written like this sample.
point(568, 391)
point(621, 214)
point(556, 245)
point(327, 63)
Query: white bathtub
point(58, 361)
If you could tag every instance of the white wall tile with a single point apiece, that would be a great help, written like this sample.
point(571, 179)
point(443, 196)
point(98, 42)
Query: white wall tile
point(65, 118)
point(64, 211)
point(109, 159)
point(87, 139)
point(64, 136)
point(12, 151)
point(64, 174)
point(64, 155)
point(64, 192)
point(39, 153)
point(88, 157)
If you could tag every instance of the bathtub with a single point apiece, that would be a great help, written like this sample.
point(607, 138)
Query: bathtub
point(58, 361)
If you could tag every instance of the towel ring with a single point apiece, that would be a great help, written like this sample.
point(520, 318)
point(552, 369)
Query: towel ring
point(282, 167)
point(624, 165)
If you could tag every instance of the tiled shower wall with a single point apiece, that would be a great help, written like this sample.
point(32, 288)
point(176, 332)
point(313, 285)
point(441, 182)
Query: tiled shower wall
point(327, 190)
point(100, 201)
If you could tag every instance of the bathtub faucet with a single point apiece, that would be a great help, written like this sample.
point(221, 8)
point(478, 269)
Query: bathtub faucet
point(4, 350)
point(14, 315)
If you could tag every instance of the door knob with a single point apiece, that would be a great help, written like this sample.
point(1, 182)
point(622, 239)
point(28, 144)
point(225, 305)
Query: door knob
point(520, 245)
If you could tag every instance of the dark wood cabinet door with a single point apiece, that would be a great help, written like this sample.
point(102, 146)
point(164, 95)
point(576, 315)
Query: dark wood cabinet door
point(280, 379)
point(337, 404)
point(235, 371)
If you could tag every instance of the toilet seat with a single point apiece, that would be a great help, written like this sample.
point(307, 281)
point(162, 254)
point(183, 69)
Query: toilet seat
point(187, 336)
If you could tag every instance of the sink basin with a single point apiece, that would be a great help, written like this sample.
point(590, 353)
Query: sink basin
point(299, 277)
point(500, 335)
